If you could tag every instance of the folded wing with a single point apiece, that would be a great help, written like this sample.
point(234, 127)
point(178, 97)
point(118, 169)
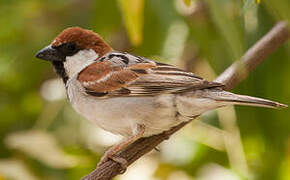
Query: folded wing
point(138, 77)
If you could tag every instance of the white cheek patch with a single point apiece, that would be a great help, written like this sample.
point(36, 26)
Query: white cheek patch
point(74, 64)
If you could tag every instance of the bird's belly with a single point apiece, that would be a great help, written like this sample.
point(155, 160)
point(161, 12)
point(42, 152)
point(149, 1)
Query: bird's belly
point(121, 115)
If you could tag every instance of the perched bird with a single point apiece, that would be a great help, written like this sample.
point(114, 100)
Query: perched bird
point(131, 95)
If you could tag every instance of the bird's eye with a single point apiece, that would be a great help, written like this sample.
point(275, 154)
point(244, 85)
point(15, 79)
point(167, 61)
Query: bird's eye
point(71, 47)
point(68, 49)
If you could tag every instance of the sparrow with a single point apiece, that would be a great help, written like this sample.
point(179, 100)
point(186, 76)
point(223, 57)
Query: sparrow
point(130, 95)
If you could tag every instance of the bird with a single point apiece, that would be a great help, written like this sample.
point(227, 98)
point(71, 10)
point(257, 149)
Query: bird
point(130, 95)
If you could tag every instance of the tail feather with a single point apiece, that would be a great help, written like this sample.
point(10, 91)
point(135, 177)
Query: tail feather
point(232, 98)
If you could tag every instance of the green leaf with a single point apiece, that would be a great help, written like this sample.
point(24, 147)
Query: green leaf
point(132, 11)
point(248, 5)
point(228, 22)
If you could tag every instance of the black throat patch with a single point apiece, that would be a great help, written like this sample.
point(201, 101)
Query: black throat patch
point(59, 67)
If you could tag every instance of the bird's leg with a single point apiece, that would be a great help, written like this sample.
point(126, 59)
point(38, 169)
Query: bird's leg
point(109, 154)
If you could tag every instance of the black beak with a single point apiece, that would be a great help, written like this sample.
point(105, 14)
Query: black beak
point(50, 54)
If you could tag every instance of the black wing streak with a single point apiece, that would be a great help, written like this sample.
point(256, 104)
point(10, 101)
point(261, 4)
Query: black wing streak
point(124, 58)
point(140, 71)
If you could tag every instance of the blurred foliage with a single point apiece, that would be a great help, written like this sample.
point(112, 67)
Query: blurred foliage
point(132, 11)
point(43, 138)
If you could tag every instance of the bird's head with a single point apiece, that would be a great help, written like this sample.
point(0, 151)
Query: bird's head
point(73, 49)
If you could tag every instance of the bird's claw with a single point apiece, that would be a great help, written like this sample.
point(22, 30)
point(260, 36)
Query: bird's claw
point(122, 161)
point(108, 155)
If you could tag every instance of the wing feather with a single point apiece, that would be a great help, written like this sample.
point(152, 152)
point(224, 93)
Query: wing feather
point(141, 78)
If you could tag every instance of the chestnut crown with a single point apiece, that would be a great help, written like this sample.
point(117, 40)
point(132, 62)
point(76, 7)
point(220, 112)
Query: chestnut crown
point(72, 40)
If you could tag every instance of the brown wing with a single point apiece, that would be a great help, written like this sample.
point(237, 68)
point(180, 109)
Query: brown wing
point(141, 79)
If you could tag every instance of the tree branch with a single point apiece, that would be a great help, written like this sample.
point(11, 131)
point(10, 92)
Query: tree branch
point(237, 72)
point(240, 69)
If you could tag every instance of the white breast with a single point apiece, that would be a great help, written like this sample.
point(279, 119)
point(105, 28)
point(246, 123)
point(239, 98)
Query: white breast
point(121, 115)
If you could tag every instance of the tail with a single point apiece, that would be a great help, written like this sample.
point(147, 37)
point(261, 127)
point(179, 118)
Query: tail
point(231, 98)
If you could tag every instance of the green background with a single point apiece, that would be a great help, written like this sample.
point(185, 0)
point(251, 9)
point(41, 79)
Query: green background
point(41, 137)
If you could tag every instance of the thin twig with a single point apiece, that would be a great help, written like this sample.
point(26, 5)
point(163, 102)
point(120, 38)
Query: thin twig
point(237, 72)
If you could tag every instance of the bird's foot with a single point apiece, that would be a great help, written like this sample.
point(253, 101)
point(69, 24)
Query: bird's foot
point(122, 161)
point(110, 154)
